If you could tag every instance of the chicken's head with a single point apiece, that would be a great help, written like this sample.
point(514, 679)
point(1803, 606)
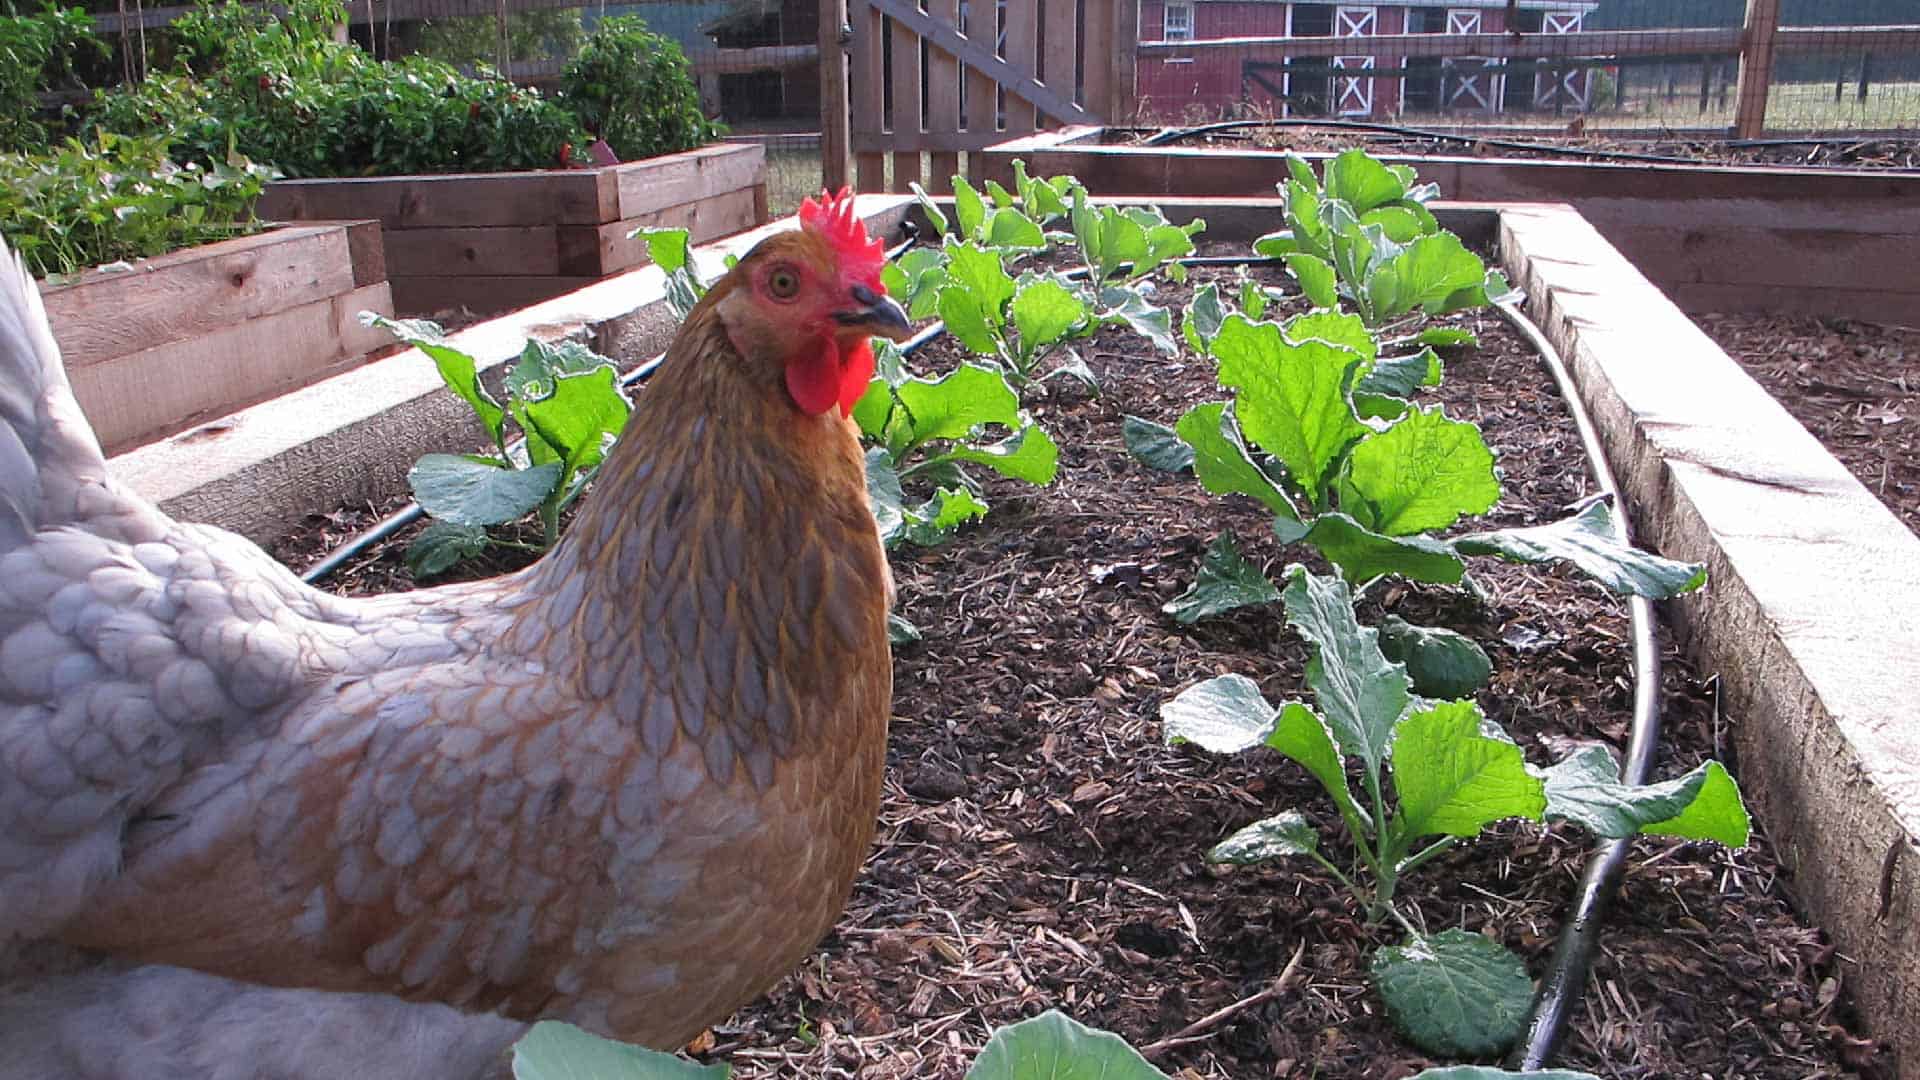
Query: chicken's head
point(810, 300)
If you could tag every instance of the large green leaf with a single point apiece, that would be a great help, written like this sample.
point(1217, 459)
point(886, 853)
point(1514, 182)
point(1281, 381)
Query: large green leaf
point(1716, 813)
point(1585, 788)
point(978, 271)
point(1334, 328)
point(1267, 839)
point(1044, 311)
point(954, 404)
point(1434, 268)
point(1156, 446)
point(1223, 715)
point(1226, 581)
point(1421, 474)
point(1203, 317)
point(456, 368)
point(578, 418)
point(1222, 463)
point(1362, 181)
point(1028, 454)
point(1452, 779)
point(1442, 663)
point(1454, 993)
point(1300, 734)
point(968, 320)
point(914, 279)
point(551, 1050)
point(1360, 692)
point(1053, 1047)
point(1316, 279)
point(442, 544)
point(1362, 554)
point(479, 491)
point(935, 521)
point(1587, 540)
point(1128, 305)
point(1400, 376)
point(884, 496)
point(1292, 399)
point(969, 210)
point(1009, 228)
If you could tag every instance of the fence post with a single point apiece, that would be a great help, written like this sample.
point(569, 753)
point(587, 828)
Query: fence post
point(1122, 102)
point(1756, 68)
point(836, 170)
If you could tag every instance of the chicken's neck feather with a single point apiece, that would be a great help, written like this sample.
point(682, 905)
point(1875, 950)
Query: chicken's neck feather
point(723, 580)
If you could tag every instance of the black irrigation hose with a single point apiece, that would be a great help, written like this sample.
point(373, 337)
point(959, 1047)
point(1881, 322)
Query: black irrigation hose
point(1566, 974)
point(1175, 135)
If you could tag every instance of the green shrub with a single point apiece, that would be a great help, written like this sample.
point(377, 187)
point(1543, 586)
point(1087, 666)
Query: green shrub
point(281, 90)
point(36, 51)
point(635, 89)
point(118, 197)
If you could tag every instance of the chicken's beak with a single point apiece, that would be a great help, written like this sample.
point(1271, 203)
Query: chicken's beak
point(878, 314)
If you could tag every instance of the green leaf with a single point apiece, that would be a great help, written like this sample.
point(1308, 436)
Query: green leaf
point(884, 496)
point(1400, 223)
point(873, 410)
point(1441, 663)
point(1421, 474)
point(1222, 463)
point(442, 544)
point(1444, 336)
point(1361, 181)
point(928, 206)
point(968, 209)
point(1452, 779)
point(1360, 693)
point(967, 321)
point(1156, 446)
point(1454, 993)
point(478, 491)
point(1293, 398)
point(1044, 311)
point(578, 417)
point(1011, 229)
point(1052, 1047)
point(1268, 839)
point(978, 271)
point(1400, 376)
point(1223, 715)
point(1716, 812)
point(1434, 268)
point(953, 405)
point(901, 631)
point(1316, 279)
point(456, 368)
point(1226, 581)
point(935, 520)
point(1335, 328)
point(1302, 735)
point(551, 1050)
point(1203, 317)
point(1587, 540)
point(1128, 305)
point(1028, 454)
point(670, 249)
point(1362, 554)
point(1585, 789)
point(914, 279)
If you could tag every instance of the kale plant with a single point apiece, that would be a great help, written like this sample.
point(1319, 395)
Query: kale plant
point(1432, 773)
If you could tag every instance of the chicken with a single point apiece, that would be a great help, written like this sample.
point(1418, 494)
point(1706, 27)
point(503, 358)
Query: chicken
point(628, 787)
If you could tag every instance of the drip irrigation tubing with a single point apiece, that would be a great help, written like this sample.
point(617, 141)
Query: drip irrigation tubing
point(1174, 135)
point(1566, 974)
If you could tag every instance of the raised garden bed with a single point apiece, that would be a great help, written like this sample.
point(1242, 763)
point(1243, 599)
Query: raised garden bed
point(491, 242)
point(181, 338)
point(1029, 729)
point(1714, 238)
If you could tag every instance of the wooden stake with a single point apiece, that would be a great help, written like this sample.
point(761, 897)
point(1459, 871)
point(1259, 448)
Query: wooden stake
point(1756, 68)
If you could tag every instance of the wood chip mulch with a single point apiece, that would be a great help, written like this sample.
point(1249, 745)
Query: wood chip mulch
point(1040, 847)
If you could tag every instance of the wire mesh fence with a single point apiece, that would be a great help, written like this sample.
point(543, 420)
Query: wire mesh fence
point(1646, 65)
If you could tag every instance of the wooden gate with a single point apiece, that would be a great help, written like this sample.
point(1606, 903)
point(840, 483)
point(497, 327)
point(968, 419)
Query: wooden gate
point(947, 78)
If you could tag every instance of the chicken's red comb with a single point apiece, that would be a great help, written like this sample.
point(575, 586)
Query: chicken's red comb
point(833, 220)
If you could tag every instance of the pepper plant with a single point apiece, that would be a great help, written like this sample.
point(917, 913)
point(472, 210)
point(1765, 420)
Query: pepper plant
point(1431, 773)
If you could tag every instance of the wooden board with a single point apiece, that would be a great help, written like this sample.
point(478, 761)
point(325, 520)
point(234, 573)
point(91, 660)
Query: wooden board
point(646, 186)
point(188, 294)
point(579, 197)
point(1022, 42)
point(612, 250)
point(905, 96)
point(481, 295)
point(154, 392)
point(943, 99)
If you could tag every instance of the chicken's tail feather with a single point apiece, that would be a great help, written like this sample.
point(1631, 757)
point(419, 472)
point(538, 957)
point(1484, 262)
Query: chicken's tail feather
point(47, 450)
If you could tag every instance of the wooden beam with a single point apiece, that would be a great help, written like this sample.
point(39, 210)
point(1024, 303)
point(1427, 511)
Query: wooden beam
point(1527, 46)
point(943, 103)
point(1019, 83)
point(1756, 68)
point(836, 162)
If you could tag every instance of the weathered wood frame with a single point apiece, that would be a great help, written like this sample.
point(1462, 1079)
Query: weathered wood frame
point(491, 242)
point(1715, 238)
point(198, 333)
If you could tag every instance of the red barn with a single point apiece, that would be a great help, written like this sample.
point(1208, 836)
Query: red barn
point(1210, 83)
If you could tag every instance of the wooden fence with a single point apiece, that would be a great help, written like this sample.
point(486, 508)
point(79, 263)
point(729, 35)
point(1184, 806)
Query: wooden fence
point(989, 71)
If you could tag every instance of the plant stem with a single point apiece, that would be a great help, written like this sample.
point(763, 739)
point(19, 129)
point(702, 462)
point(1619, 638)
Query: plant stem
point(1438, 847)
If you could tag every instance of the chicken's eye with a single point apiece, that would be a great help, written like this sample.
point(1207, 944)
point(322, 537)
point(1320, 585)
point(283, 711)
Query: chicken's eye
point(783, 283)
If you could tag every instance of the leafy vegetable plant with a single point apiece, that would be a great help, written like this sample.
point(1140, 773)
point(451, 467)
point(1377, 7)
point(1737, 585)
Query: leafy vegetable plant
point(567, 403)
point(1431, 773)
point(1362, 232)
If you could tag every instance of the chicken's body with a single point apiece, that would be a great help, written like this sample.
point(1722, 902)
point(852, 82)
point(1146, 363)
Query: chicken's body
point(628, 786)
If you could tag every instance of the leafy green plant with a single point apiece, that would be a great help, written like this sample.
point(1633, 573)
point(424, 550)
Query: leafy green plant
point(1427, 769)
point(1322, 433)
point(1362, 232)
point(279, 89)
point(565, 400)
point(635, 89)
point(474, 40)
point(114, 197)
point(36, 50)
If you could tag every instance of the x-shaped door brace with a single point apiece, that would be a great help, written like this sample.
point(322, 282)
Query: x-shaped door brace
point(1061, 107)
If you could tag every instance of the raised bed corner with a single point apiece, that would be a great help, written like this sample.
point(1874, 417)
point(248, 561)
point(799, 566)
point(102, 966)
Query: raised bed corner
point(492, 242)
point(190, 335)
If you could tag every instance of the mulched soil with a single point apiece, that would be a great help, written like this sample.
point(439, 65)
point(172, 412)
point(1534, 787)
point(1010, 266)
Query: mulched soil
point(1855, 385)
point(1039, 847)
point(1845, 153)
